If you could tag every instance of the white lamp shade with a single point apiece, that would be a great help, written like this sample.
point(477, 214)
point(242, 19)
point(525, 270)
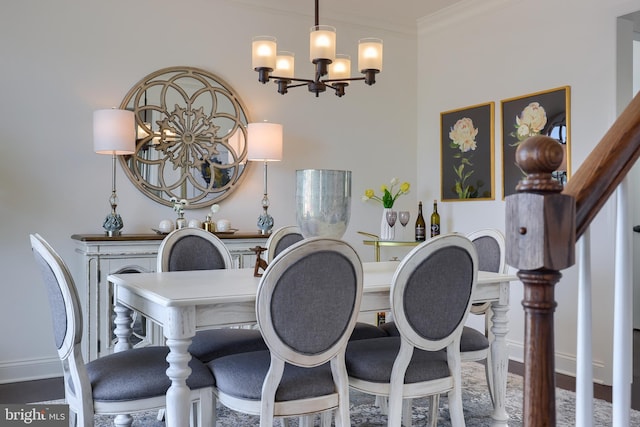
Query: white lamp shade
point(370, 54)
point(264, 142)
point(285, 64)
point(114, 132)
point(340, 68)
point(322, 43)
point(263, 52)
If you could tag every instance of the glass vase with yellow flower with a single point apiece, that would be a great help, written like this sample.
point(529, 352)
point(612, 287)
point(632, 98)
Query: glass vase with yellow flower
point(389, 195)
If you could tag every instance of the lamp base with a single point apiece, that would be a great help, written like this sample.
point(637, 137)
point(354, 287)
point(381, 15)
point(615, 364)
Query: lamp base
point(112, 224)
point(265, 223)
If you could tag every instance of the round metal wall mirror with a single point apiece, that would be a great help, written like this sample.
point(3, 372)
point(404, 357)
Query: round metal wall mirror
point(191, 137)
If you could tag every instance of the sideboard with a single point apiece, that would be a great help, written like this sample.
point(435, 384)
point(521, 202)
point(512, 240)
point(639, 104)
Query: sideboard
point(129, 253)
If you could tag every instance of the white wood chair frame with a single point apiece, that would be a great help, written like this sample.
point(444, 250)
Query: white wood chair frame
point(267, 407)
point(398, 394)
point(78, 392)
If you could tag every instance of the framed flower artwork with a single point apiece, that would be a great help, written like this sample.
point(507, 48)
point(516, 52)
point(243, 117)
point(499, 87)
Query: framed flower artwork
point(467, 153)
point(540, 113)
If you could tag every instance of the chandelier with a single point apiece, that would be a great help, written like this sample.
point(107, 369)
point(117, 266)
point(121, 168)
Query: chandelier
point(279, 66)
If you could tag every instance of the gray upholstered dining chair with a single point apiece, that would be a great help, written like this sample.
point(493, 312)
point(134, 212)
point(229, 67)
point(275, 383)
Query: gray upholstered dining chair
point(281, 239)
point(193, 249)
point(474, 345)
point(118, 384)
point(306, 306)
point(490, 246)
point(199, 249)
point(286, 236)
point(430, 299)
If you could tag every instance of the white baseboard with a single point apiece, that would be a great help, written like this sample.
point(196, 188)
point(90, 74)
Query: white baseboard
point(566, 364)
point(30, 369)
point(50, 367)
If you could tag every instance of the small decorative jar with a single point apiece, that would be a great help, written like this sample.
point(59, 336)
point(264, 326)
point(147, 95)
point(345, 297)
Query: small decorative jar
point(181, 222)
point(209, 225)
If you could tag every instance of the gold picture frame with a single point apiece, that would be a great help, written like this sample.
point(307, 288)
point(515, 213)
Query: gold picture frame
point(467, 153)
point(541, 113)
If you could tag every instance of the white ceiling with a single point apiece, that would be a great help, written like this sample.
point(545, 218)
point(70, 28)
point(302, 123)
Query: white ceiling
point(397, 15)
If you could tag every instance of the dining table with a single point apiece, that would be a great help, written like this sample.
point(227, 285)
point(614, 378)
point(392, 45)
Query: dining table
point(182, 302)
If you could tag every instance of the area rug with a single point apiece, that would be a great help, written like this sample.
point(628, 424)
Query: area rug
point(476, 402)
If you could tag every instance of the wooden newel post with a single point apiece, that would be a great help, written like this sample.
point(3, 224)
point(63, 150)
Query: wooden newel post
point(541, 234)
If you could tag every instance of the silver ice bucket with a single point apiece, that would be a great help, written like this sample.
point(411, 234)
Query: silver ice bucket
point(323, 202)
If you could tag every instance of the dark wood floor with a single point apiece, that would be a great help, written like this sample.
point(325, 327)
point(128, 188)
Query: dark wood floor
point(50, 389)
point(32, 391)
point(599, 391)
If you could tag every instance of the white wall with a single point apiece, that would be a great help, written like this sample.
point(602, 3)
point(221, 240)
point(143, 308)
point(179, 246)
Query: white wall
point(478, 52)
point(62, 60)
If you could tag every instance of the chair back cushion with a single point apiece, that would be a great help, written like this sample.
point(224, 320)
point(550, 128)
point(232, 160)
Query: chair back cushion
point(281, 239)
point(286, 241)
point(62, 295)
point(490, 247)
point(431, 291)
point(194, 253)
point(308, 300)
point(189, 249)
point(488, 254)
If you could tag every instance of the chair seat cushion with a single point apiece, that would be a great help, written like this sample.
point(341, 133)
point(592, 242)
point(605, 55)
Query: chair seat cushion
point(471, 339)
point(139, 373)
point(372, 360)
point(214, 343)
point(241, 375)
point(391, 329)
point(366, 330)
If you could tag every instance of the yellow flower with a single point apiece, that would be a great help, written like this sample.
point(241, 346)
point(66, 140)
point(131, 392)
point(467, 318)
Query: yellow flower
point(388, 197)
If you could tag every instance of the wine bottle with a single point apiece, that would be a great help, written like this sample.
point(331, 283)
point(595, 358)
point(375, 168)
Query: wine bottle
point(435, 220)
point(420, 225)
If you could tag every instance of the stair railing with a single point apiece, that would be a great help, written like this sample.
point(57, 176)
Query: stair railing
point(543, 221)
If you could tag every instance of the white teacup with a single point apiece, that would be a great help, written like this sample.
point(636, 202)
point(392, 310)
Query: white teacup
point(223, 225)
point(195, 223)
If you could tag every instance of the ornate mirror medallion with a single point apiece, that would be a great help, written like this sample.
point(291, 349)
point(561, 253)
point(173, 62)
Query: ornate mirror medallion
point(191, 140)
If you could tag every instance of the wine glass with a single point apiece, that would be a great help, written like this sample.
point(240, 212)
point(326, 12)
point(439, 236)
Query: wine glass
point(403, 217)
point(392, 216)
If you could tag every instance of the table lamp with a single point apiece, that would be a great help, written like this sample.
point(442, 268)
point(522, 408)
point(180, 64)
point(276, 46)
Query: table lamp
point(113, 133)
point(264, 144)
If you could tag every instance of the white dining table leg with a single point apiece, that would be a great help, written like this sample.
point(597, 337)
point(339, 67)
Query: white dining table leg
point(179, 329)
point(122, 330)
point(500, 358)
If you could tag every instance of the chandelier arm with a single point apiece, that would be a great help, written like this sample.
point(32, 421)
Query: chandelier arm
point(350, 79)
point(293, 79)
point(301, 84)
